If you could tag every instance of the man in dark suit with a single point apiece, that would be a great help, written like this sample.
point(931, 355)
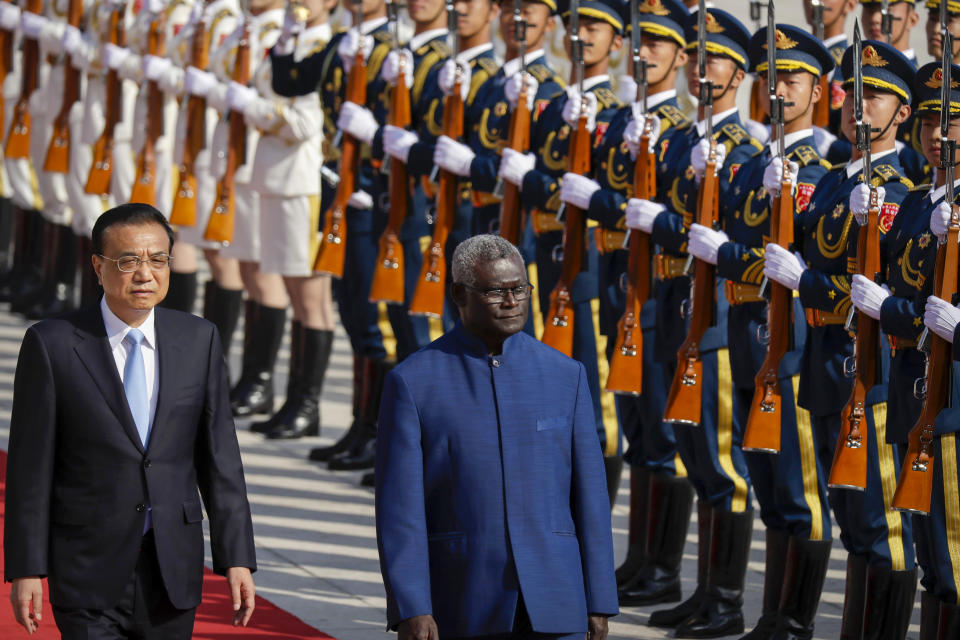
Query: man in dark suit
point(120, 414)
point(493, 518)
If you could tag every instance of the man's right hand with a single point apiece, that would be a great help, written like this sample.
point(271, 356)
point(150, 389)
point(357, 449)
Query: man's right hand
point(26, 592)
point(418, 628)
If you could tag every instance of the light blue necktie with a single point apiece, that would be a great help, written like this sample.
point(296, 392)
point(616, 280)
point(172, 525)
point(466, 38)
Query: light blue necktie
point(135, 385)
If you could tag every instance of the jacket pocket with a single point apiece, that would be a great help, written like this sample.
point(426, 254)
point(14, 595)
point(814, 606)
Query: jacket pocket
point(192, 512)
point(556, 422)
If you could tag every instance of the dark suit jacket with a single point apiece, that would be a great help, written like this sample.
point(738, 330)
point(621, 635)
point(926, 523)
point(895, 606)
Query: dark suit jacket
point(78, 477)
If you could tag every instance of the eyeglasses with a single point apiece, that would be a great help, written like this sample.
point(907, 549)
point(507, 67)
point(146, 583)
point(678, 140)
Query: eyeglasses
point(129, 264)
point(497, 295)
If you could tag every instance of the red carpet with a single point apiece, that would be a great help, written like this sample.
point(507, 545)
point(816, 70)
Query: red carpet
point(213, 616)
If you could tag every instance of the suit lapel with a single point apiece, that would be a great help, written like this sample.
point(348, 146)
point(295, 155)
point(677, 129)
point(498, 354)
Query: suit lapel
point(93, 349)
point(169, 351)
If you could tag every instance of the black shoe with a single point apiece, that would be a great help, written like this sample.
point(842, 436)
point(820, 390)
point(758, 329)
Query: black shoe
point(889, 603)
point(322, 454)
point(21, 256)
point(777, 544)
point(674, 616)
point(263, 331)
point(182, 294)
point(294, 373)
point(363, 457)
point(362, 452)
point(721, 611)
point(304, 417)
point(854, 598)
point(806, 570)
point(368, 480)
point(639, 516)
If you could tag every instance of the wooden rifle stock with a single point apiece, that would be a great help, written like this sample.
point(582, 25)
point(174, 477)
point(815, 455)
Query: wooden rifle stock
point(821, 109)
point(766, 411)
point(626, 365)
point(184, 210)
point(849, 470)
point(145, 185)
point(684, 400)
point(18, 139)
point(333, 243)
point(388, 285)
point(915, 484)
point(431, 285)
point(223, 216)
point(98, 180)
point(58, 153)
point(757, 98)
point(558, 329)
point(511, 208)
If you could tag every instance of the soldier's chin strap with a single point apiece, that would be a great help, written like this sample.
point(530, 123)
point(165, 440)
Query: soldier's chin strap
point(727, 87)
point(884, 130)
point(805, 110)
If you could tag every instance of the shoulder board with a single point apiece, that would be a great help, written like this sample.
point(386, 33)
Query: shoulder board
point(383, 35)
point(672, 114)
point(340, 29)
point(736, 133)
point(919, 188)
point(489, 65)
point(806, 154)
point(606, 98)
point(441, 47)
point(540, 72)
point(887, 173)
point(267, 28)
point(318, 47)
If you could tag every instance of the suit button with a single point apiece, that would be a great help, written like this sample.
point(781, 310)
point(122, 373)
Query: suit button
point(146, 463)
point(495, 362)
point(141, 508)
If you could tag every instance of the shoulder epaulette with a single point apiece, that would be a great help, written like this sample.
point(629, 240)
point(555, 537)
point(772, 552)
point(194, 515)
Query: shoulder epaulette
point(489, 65)
point(885, 173)
point(672, 114)
point(806, 154)
point(541, 72)
point(341, 29)
point(606, 98)
point(383, 35)
point(736, 133)
point(918, 188)
point(441, 47)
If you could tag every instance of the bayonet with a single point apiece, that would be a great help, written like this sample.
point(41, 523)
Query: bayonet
point(453, 33)
point(886, 19)
point(756, 13)
point(640, 65)
point(817, 6)
point(520, 39)
point(393, 22)
point(576, 57)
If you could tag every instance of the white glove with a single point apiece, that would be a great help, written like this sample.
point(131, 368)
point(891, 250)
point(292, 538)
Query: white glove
point(940, 219)
point(72, 41)
point(860, 199)
point(448, 75)
point(155, 6)
point(358, 121)
point(627, 92)
point(32, 24)
point(9, 16)
point(704, 242)
point(51, 36)
point(515, 165)
point(867, 295)
point(577, 190)
point(397, 142)
point(360, 200)
point(941, 317)
point(782, 266)
point(113, 55)
point(240, 96)
point(391, 67)
point(571, 110)
point(453, 156)
point(155, 66)
point(634, 130)
point(198, 82)
point(773, 175)
point(641, 214)
point(699, 155)
point(514, 84)
point(347, 49)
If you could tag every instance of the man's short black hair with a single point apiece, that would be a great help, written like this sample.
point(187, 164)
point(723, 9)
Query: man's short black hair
point(128, 214)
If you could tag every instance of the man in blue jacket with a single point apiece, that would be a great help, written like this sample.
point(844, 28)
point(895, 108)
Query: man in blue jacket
point(492, 515)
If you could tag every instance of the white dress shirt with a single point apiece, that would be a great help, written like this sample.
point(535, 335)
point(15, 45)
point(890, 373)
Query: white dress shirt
point(117, 330)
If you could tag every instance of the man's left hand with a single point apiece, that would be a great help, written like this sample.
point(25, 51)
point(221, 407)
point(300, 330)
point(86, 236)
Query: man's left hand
point(596, 628)
point(242, 593)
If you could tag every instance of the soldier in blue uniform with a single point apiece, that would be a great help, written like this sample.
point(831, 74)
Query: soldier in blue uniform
point(881, 572)
point(790, 486)
point(711, 451)
point(601, 28)
point(835, 40)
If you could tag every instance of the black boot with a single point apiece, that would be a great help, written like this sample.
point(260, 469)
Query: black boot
point(90, 290)
point(721, 611)
point(40, 278)
point(676, 615)
point(949, 627)
point(637, 536)
point(362, 454)
point(182, 293)
point(777, 543)
point(305, 421)
point(6, 239)
point(613, 466)
point(322, 454)
point(262, 332)
point(807, 562)
point(854, 598)
point(889, 603)
point(294, 375)
point(929, 615)
point(671, 500)
point(58, 296)
point(21, 254)
point(226, 314)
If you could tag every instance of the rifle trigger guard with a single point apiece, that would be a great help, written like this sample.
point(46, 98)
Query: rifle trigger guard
point(623, 282)
point(920, 388)
point(431, 214)
point(556, 254)
point(763, 334)
point(849, 366)
point(494, 227)
point(685, 308)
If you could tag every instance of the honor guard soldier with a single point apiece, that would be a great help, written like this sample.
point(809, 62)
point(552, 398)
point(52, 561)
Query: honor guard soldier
point(660, 496)
point(934, 37)
point(880, 561)
point(12, 218)
point(831, 18)
point(788, 483)
point(718, 471)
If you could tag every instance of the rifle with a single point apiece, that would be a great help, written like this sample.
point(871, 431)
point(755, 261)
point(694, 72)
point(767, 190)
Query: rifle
point(756, 89)
point(18, 139)
point(6, 66)
point(144, 186)
point(684, 400)
point(886, 20)
point(98, 180)
point(388, 285)
point(428, 296)
point(223, 216)
point(821, 110)
point(58, 153)
point(626, 364)
point(915, 484)
point(849, 470)
point(184, 210)
point(333, 240)
point(558, 330)
point(763, 424)
point(511, 207)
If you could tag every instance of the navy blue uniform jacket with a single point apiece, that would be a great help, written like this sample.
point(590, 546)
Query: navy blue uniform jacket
point(490, 481)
